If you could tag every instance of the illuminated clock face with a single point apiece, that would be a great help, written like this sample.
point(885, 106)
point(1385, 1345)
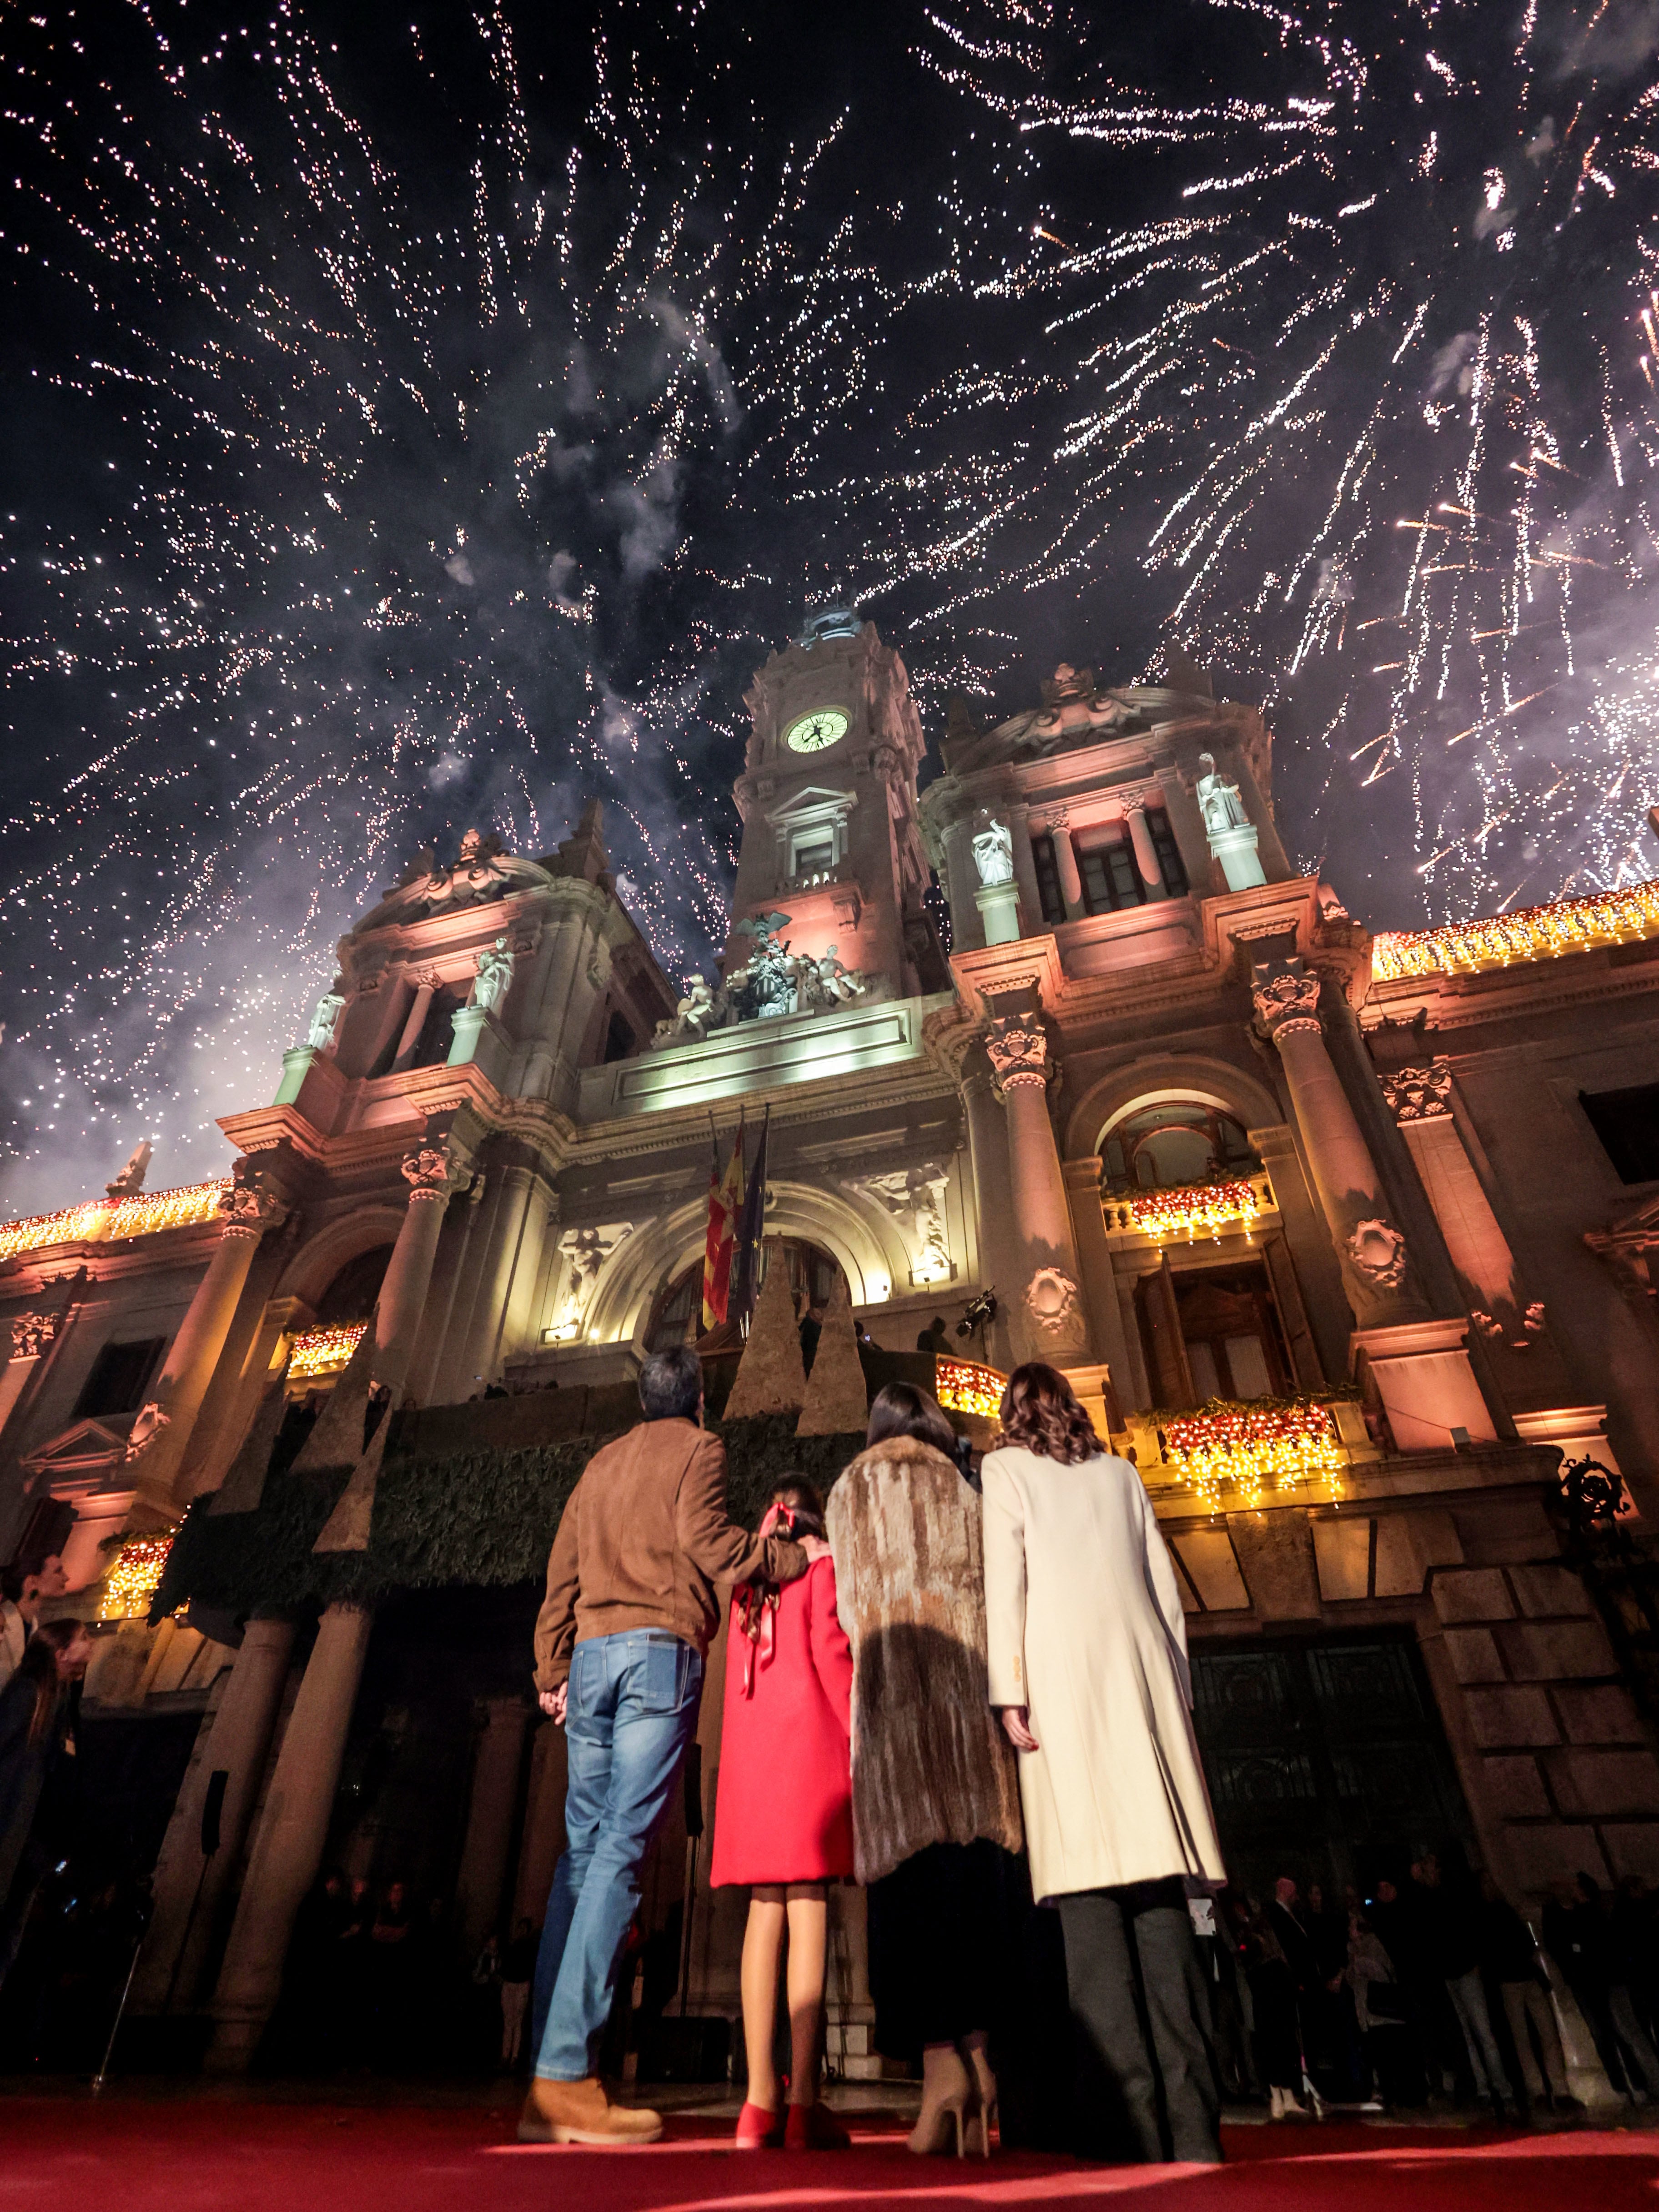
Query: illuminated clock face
point(815, 733)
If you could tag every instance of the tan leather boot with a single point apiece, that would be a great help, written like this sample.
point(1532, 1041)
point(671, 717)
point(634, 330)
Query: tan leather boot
point(580, 2113)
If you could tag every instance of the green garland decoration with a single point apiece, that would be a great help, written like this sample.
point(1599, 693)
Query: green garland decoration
point(481, 1518)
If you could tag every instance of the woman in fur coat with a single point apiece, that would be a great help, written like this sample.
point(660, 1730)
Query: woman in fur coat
point(1088, 1663)
point(935, 1800)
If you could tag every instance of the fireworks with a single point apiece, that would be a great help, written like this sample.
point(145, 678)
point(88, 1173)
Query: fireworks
point(436, 428)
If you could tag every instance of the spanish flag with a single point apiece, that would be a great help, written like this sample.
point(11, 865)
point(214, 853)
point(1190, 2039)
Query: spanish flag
point(724, 1205)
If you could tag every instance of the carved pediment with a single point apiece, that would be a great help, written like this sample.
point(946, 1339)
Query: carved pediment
point(815, 800)
point(85, 1448)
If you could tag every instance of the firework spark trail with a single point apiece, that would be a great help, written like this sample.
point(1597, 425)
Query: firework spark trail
point(426, 462)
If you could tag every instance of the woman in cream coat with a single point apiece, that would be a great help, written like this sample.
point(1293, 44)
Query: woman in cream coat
point(1087, 1649)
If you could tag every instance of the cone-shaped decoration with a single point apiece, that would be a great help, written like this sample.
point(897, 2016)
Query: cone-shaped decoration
point(347, 1527)
point(837, 1397)
point(244, 1487)
point(337, 1439)
point(771, 1376)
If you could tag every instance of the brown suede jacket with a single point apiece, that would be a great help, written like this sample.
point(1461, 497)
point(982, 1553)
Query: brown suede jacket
point(643, 1540)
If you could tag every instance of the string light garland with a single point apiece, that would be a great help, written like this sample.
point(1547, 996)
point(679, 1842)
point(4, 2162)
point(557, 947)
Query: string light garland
point(134, 1575)
point(1251, 1444)
point(1531, 932)
point(962, 1386)
point(324, 1351)
point(1184, 1211)
point(142, 1213)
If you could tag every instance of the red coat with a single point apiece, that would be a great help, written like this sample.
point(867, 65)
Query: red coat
point(783, 1803)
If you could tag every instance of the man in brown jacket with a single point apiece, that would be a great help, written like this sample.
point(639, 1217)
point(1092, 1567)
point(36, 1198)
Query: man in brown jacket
point(630, 1612)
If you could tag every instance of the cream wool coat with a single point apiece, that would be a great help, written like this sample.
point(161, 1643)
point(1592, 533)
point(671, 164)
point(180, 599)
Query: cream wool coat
point(1084, 1627)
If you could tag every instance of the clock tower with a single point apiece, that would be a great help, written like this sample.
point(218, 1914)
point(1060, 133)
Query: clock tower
point(827, 798)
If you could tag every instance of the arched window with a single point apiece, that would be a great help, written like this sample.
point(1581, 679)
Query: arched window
point(351, 1295)
point(1173, 1142)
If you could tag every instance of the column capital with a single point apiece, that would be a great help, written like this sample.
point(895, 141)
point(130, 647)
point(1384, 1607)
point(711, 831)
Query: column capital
point(251, 1205)
point(432, 1171)
point(31, 1333)
point(1418, 1094)
point(1018, 1049)
point(1286, 996)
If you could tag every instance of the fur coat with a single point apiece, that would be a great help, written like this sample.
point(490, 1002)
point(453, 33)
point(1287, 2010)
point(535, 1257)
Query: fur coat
point(930, 1762)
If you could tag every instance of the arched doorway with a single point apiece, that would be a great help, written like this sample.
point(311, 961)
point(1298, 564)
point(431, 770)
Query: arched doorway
point(813, 1274)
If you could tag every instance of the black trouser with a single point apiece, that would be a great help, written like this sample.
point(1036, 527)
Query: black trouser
point(936, 1942)
point(1141, 2009)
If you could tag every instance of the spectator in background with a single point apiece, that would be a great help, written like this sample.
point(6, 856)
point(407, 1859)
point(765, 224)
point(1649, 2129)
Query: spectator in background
point(1451, 1934)
point(518, 1969)
point(1272, 1983)
point(1380, 2013)
point(37, 1711)
point(1509, 1960)
point(811, 1328)
point(14, 1626)
point(1579, 1937)
point(1635, 1947)
point(935, 1338)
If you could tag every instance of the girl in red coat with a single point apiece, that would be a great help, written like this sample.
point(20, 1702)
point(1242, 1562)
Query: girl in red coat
point(783, 1816)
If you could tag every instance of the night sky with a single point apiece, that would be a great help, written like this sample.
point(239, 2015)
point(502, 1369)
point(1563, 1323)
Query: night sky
point(425, 417)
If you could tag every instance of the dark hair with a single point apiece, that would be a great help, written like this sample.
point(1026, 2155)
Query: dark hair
point(797, 1493)
point(1040, 1411)
point(900, 1409)
point(671, 1385)
point(39, 1664)
point(11, 1584)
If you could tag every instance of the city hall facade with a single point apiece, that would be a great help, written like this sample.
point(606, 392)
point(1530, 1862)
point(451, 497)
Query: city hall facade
point(1350, 1240)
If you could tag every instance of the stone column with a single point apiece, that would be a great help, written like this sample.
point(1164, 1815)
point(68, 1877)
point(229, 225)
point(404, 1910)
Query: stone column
point(187, 1886)
point(998, 1250)
point(1100, 1281)
point(432, 1172)
point(410, 1035)
point(1070, 880)
point(1050, 1322)
point(288, 1850)
point(1151, 874)
point(1371, 1251)
point(161, 1434)
point(489, 1842)
point(1030, 900)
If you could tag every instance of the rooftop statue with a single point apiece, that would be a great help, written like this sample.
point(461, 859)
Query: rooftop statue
point(773, 982)
point(132, 1177)
point(482, 871)
point(495, 965)
point(324, 1021)
point(1219, 800)
point(993, 853)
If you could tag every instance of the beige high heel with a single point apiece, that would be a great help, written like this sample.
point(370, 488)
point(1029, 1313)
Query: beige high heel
point(984, 2113)
point(947, 2089)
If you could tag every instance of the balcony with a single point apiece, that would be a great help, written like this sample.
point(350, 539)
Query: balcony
point(1251, 1447)
point(1189, 1211)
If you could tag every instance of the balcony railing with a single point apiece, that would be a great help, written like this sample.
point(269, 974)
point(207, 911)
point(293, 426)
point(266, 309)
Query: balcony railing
point(1249, 1446)
point(324, 1351)
point(139, 1213)
point(1190, 1210)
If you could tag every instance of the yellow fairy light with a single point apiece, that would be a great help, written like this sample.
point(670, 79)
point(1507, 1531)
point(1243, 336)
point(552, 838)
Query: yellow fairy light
point(324, 1351)
point(1163, 1214)
point(141, 1214)
point(1531, 932)
point(134, 1575)
point(1245, 1447)
point(961, 1386)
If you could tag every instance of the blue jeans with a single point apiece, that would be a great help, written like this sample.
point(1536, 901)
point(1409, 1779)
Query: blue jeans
point(631, 1715)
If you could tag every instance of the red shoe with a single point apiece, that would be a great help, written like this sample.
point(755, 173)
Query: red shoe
point(758, 2129)
point(814, 2127)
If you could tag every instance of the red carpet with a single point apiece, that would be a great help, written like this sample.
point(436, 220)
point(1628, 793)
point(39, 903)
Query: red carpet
point(234, 2157)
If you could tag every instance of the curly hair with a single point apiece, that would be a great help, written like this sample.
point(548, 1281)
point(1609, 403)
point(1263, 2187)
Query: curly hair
point(1039, 1411)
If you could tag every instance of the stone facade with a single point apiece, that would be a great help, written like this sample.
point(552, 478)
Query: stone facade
point(1167, 1116)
